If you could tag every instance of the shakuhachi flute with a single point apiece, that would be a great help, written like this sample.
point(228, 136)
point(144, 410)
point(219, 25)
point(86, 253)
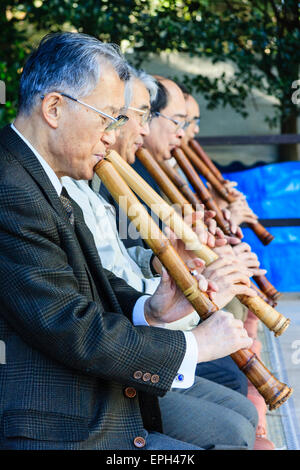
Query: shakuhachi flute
point(157, 171)
point(206, 160)
point(206, 198)
point(274, 392)
point(176, 179)
point(218, 184)
point(172, 189)
point(274, 320)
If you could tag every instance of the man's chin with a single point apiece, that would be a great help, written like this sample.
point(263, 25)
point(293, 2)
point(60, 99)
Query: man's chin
point(167, 156)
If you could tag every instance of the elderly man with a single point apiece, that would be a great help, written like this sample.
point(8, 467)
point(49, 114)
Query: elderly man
point(86, 356)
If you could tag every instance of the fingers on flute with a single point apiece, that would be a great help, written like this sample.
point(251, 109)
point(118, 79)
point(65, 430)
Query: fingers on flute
point(219, 233)
point(239, 233)
point(241, 289)
point(238, 278)
point(211, 241)
point(220, 242)
point(258, 272)
point(212, 226)
point(233, 240)
point(230, 184)
point(196, 263)
point(243, 247)
point(202, 283)
point(219, 263)
point(227, 214)
point(208, 214)
point(212, 287)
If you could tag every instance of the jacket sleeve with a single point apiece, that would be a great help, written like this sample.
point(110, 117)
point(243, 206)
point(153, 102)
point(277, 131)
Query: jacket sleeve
point(42, 303)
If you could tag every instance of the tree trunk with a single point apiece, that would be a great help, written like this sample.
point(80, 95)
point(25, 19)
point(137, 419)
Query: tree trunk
point(289, 152)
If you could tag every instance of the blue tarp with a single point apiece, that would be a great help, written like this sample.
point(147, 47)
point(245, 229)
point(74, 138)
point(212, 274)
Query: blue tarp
point(273, 192)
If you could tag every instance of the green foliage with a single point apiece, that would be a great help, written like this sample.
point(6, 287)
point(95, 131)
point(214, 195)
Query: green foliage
point(259, 37)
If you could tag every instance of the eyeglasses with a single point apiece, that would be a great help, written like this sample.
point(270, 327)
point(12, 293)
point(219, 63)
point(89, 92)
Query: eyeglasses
point(146, 114)
point(179, 124)
point(117, 122)
point(195, 120)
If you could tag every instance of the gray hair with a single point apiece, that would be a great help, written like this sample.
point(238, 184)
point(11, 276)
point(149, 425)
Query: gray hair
point(70, 63)
point(149, 81)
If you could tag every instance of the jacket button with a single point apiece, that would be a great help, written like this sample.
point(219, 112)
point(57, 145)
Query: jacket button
point(137, 374)
point(146, 377)
point(130, 392)
point(155, 378)
point(139, 442)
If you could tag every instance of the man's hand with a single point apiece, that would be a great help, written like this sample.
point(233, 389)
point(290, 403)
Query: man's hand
point(249, 259)
point(198, 220)
point(241, 212)
point(168, 303)
point(220, 335)
point(230, 277)
point(222, 204)
point(237, 233)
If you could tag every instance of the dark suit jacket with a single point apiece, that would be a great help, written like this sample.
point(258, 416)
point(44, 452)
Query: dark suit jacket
point(71, 348)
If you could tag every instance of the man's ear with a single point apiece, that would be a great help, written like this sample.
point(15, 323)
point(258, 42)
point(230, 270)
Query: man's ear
point(52, 108)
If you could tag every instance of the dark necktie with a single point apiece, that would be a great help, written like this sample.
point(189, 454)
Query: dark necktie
point(64, 197)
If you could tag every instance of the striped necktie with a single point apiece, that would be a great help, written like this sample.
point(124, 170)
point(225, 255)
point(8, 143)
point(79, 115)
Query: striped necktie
point(64, 197)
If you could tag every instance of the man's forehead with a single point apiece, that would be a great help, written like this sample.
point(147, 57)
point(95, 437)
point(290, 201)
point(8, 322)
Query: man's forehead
point(176, 103)
point(192, 106)
point(140, 96)
point(109, 91)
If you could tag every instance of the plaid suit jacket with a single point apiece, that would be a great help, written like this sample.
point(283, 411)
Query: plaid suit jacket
point(71, 348)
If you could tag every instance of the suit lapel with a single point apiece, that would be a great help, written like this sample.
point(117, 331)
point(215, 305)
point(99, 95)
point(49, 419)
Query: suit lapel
point(19, 150)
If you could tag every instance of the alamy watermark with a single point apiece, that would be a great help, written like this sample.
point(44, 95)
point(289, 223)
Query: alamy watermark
point(2, 92)
point(2, 352)
point(296, 354)
point(296, 94)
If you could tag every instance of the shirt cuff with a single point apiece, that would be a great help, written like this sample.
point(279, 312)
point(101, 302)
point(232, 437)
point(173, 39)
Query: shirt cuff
point(185, 376)
point(138, 315)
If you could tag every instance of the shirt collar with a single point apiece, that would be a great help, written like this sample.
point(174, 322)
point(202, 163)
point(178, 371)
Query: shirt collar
point(49, 171)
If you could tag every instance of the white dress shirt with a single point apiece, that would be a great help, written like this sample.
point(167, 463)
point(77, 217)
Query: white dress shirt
point(186, 372)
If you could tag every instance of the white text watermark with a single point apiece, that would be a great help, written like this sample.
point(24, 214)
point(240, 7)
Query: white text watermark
point(2, 352)
point(296, 94)
point(296, 353)
point(2, 92)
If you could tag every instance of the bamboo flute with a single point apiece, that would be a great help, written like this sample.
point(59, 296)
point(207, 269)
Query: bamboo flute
point(179, 182)
point(274, 320)
point(199, 186)
point(259, 230)
point(177, 198)
point(274, 392)
point(206, 160)
point(206, 172)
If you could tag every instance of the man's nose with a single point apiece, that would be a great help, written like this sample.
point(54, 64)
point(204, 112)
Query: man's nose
point(145, 129)
point(109, 138)
point(180, 133)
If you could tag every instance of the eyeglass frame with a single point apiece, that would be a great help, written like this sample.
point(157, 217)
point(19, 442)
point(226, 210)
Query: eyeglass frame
point(179, 124)
point(143, 111)
point(194, 119)
point(117, 122)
